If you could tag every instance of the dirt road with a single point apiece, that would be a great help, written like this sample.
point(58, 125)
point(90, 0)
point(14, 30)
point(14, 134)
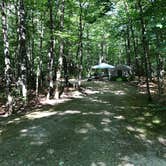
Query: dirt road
point(112, 126)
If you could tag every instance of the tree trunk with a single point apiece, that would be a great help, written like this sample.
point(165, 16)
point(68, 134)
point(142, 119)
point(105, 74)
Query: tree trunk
point(101, 60)
point(22, 50)
point(8, 79)
point(16, 52)
point(51, 52)
point(137, 70)
point(80, 45)
point(128, 46)
point(88, 57)
point(144, 45)
point(128, 42)
point(31, 72)
point(159, 67)
point(149, 61)
point(59, 88)
point(39, 60)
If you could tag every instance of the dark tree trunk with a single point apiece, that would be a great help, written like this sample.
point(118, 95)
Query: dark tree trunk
point(39, 60)
point(128, 46)
point(16, 52)
point(65, 66)
point(89, 59)
point(137, 69)
point(51, 51)
point(144, 45)
point(31, 72)
point(149, 61)
point(8, 76)
point(22, 50)
point(128, 42)
point(80, 45)
point(159, 67)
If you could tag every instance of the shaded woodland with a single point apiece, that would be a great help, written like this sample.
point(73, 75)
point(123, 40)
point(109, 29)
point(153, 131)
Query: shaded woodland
point(44, 44)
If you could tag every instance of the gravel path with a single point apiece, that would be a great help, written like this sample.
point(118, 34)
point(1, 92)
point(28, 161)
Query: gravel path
point(112, 126)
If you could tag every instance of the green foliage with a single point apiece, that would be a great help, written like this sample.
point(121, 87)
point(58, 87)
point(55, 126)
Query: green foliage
point(106, 26)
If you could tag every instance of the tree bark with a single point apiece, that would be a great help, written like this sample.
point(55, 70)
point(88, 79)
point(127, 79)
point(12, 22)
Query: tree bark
point(59, 87)
point(144, 45)
point(51, 51)
point(80, 45)
point(128, 42)
point(159, 67)
point(39, 60)
point(128, 45)
point(22, 50)
point(137, 70)
point(8, 76)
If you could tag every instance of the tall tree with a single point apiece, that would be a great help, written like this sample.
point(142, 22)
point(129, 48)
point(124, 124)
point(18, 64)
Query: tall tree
point(145, 48)
point(8, 74)
point(22, 50)
point(61, 53)
point(80, 43)
point(51, 50)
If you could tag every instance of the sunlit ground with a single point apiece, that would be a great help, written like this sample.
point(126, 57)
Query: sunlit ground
point(113, 125)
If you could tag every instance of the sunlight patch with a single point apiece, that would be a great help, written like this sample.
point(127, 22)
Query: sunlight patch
point(106, 129)
point(156, 121)
point(82, 131)
point(77, 94)
point(98, 164)
point(140, 130)
point(36, 134)
point(126, 164)
point(119, 92)
point(140, 118)
point(50, 151)
point(85, 128)
point(0, 132)
point(53, 101)
point(105, 121)
point(38, 114)
point(88, 91)
point(125, 161)
point(162, 140)
point(36, 143)
point(24, 131)
point(119, 108)
point(16, 120)
point(130, 128)
point(119, 117)
point(108, 113)
point(99, 101)
point(149, 124)
point(69, 112)
point(92, 113)
point(143, 137)
point(147, 114)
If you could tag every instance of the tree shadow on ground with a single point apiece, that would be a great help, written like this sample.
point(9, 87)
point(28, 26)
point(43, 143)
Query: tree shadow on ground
point(102, 129)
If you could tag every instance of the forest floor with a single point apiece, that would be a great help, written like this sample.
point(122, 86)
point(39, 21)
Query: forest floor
point(111, 124)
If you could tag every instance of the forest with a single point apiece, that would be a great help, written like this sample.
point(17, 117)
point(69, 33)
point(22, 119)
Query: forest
point(60, 105)
point(46, 43)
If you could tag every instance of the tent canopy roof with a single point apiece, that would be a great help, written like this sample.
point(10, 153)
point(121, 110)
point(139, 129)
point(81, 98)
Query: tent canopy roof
point(103, 66)
point(122, 67)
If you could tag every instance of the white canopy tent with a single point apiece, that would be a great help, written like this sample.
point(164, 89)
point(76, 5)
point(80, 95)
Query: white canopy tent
point(107, 68)
point(103, 66)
